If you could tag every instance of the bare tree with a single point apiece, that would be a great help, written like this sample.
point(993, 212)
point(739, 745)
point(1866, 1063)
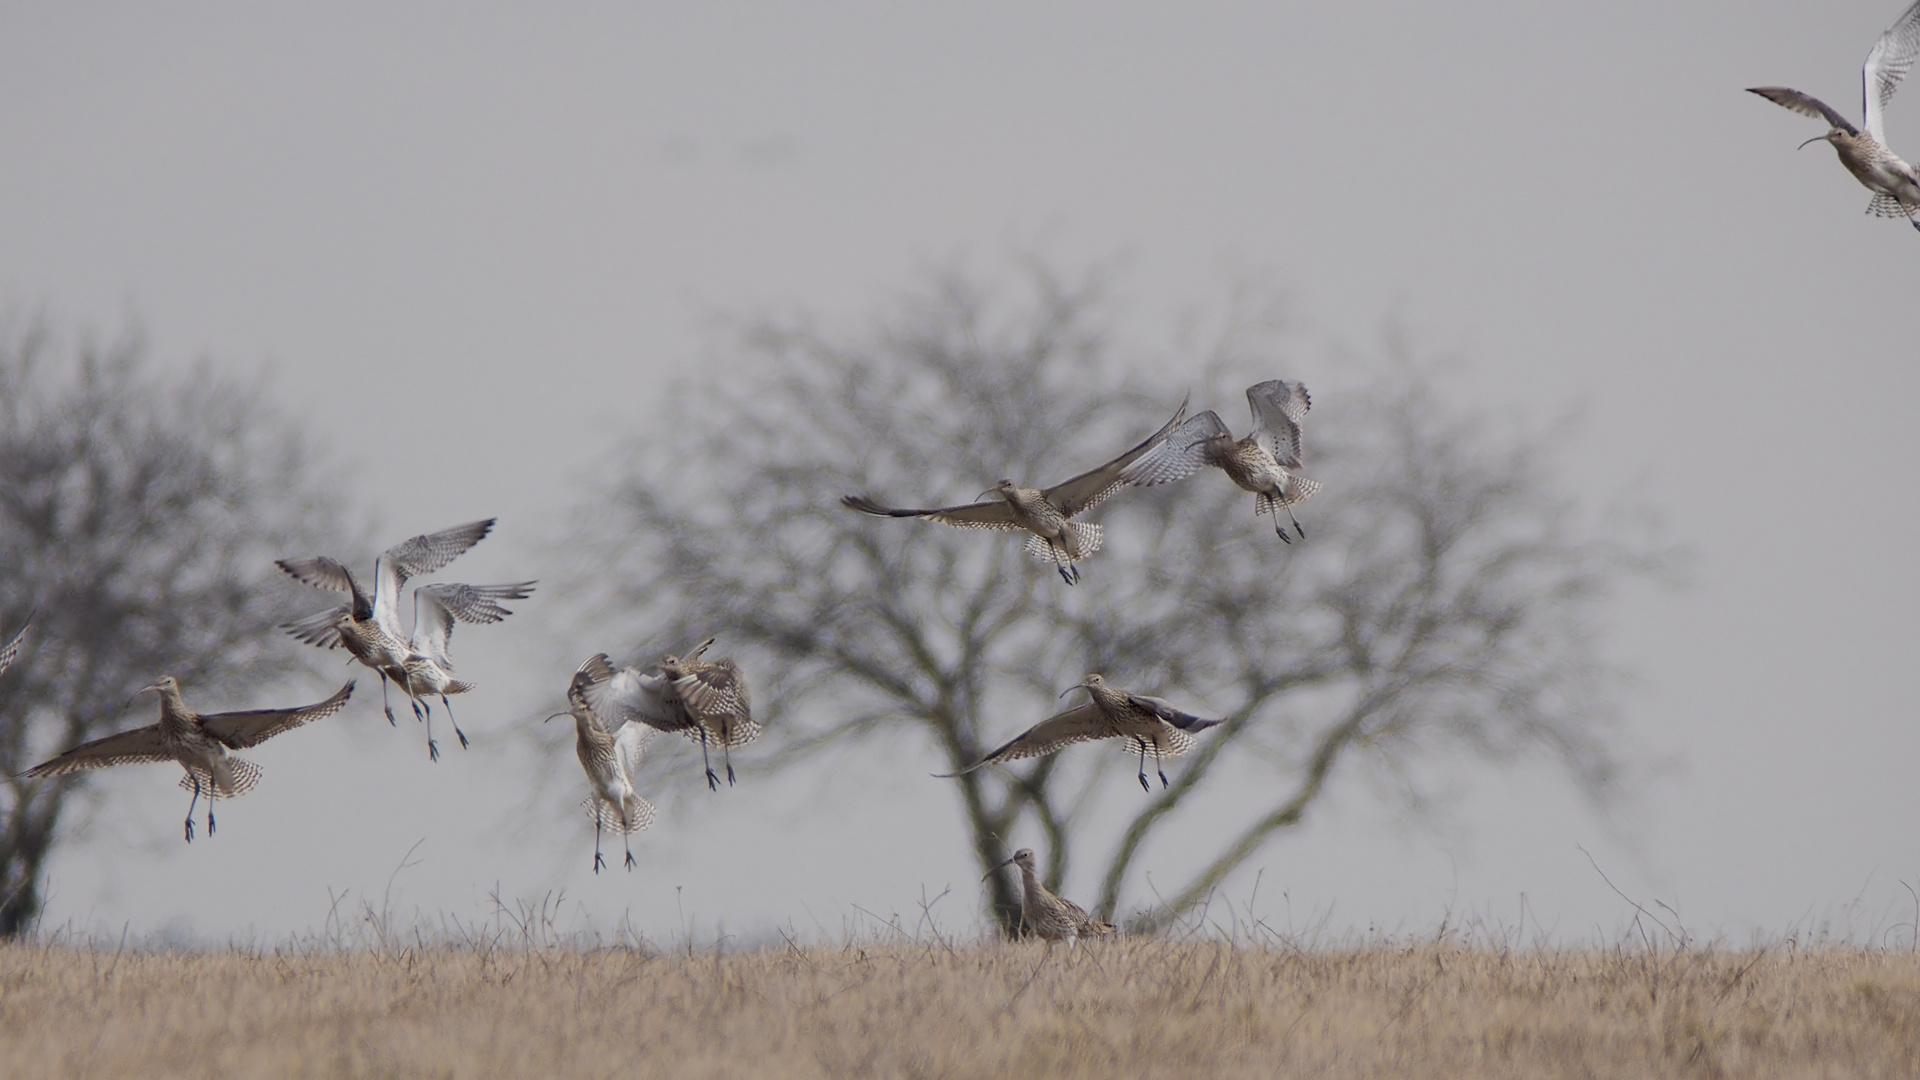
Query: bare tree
point(1441, 602)
point(139, 517)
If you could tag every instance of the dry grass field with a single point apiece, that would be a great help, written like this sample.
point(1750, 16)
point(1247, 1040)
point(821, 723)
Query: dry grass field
point(1129, 1008)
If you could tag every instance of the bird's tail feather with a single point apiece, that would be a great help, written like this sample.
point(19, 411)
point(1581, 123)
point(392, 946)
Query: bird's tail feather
point(1085, 533)
point(241, 776)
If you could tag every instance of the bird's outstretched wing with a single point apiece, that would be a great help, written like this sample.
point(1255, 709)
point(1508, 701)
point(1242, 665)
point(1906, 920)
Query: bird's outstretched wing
point(475, 603)
point(319, 571)
point(1181, 454)
point(629, 695)
point(1090, 488)
point(1278, 409)
point(1166, 711)
point(430, 551)
point(12, 652)
point(1805, 105)
point(1888, 63)
point(239, 730)
point(1083, 723)
point(120, 748)
point(997, 514)
point(322, 629)
point(432, 626)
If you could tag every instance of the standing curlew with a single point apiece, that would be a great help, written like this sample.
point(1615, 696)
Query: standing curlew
point(199, 743)
point(609, 759)
point(12, 652)
point(1046, 513)
point(369, 626)
point(1149, 724)
point(1261, 463)
point(1049, 916)
point(1894, 183)
point(706, 702)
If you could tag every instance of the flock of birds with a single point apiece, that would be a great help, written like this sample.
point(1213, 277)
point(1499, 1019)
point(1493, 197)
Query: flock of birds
point(616, 712)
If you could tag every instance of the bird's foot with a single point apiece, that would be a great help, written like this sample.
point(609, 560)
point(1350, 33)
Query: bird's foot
point(1144, 786)
point(631, 861)
point(390, 720)
point(1163, 781)
point(598, 862)
point(189, 830)
point(209, 823)
point(463, 736)
point(713, 780)
point(729, 774)
point(433, 750)
point(1065, 576)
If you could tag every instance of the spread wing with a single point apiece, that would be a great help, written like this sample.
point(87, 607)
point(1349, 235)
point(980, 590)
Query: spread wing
point(1166, 711)
point(716, 695)
point(630, 694)
point(1887, 64)
point(239, 730)
point(1278, 408)
point(1084, 723)
point(629, 746)
point(320, 572)
point(322, 629)
point(1181, 454)
point(429, 552)
point(473, 603)
point(1805, 105)
point(1086, 491)
point(432, 626)
point(12, 652)
point(997, 514)
point(121, 748)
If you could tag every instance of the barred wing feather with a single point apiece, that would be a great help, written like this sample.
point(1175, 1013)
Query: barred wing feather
point(1279, 407)
point(239, 730)
point(1888, 63)
point(120, 748)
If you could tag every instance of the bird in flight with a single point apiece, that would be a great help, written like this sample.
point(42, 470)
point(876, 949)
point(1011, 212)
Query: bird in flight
point(1150, 725)
point(1863, 150)
point(1262, 463)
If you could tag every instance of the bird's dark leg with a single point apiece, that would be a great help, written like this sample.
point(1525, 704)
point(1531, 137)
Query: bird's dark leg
point(455, 723)
point(1160, 767)
point(713, 779)
point(726, 754)
point(433, 748)
point(1144, 786)
point(210, 797)
point(598, 861)
point(1272, 503)
point(193, 803)
point(1296, 521)
point(631, 861)
point(384, 703)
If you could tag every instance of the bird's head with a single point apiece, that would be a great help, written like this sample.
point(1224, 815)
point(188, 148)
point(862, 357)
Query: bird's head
point(1092, 681)
point(167, 684)
point(1833, 135)
point(1022, 858)
point(1004, 489)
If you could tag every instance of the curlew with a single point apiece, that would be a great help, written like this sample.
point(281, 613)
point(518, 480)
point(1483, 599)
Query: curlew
point(1047, 513)
point(428, 669)
point(1046, 914)
point(1895, 184)
point(1262, 463)
point(609, 758)
point(199, 743)
point(369, 626)
point(1151, 725)
point(706, 702)
point(12, 652)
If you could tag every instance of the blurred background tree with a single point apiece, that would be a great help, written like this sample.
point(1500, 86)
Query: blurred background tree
point(1442, 603)
point(140, 515)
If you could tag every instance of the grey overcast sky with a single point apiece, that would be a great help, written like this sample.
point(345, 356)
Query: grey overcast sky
point(482, 239)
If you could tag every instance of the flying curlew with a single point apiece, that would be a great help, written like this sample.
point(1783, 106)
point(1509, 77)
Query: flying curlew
point(1262, 463)
point(706, 702)
point(1046, 513)
point(609, 759)
point(1049, 916)
point(1894, 183)
point(12, 652)
point(1150, 725)
point(199, 743)
point(428, 669)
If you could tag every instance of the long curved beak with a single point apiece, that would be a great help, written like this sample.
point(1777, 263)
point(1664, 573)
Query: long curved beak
point(1069, 690)
point(557, 716)
point(995, 870)
point(1810, 142)
point(984, 494)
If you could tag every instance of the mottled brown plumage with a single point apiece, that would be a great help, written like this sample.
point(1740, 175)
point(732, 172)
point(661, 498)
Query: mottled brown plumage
point(1150, 725)
point(1047, 915)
